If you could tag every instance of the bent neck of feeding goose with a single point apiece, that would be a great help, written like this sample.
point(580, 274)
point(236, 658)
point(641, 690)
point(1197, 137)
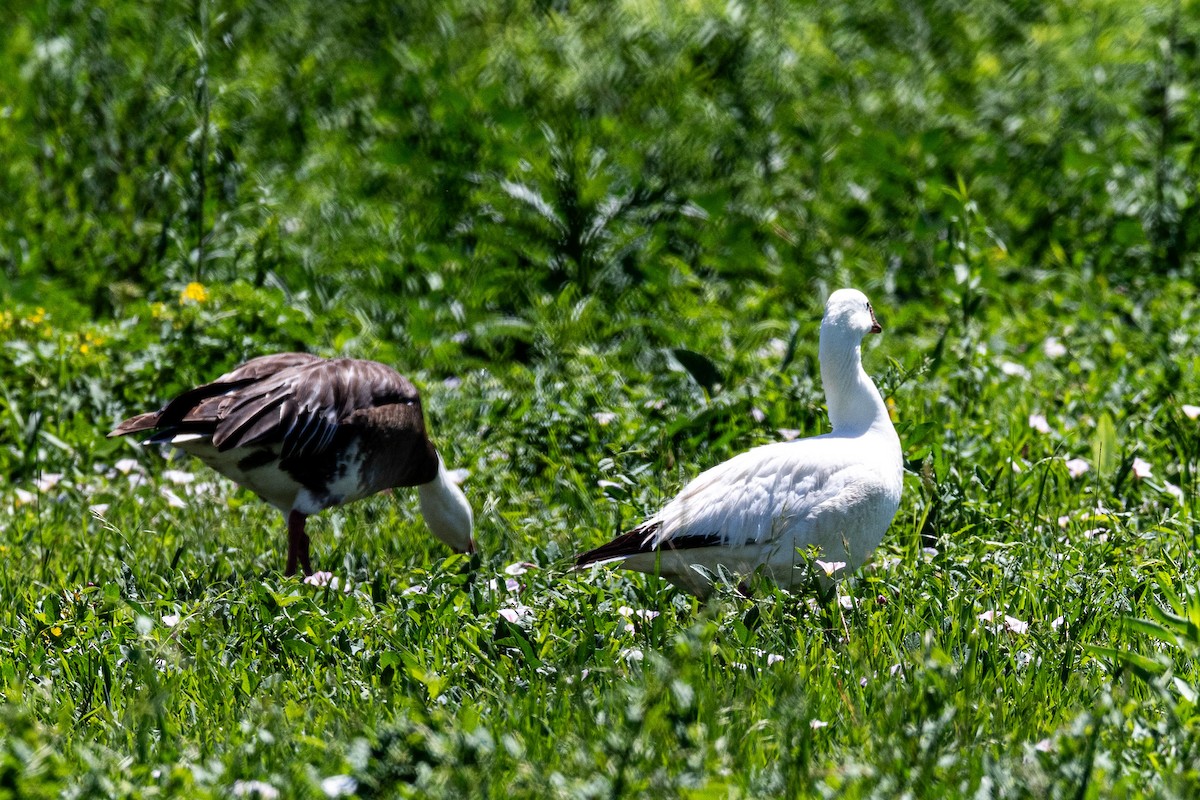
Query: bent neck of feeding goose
point(855, 405)
point(446, 511)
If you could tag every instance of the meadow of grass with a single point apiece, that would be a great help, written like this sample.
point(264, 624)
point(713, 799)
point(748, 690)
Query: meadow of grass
point(598, 237)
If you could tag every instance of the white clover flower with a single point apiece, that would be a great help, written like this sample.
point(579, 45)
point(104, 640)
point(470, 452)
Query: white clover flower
point(259, 789)
point(205, 487)
point(178, 476)
point(1191, 412)
point(48, 481)
point(1053, 348)
point(173, 500)
point(1008, 623)
point(645, 615)
point(1141, 468)
point(24, 497)
point(519, 568)
point(1077, 466)
point(817, 724)
point(338, 785)
point(1014, 369)
point(632, 654)
point(1038, 423)
point(170, 620)
point(788, 434)
point(1173, 490)
point(604, 417)
point(127, 465)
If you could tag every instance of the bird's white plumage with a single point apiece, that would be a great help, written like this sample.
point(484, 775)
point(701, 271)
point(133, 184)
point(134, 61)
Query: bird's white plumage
point(767, 507)
point(265, 478)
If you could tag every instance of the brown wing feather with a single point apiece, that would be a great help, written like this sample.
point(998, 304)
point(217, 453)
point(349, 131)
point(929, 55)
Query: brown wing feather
point(403, 451)
point(302, 406)
point(297, 399)
point(264, 366)
point(142, 422)
point(185, 404)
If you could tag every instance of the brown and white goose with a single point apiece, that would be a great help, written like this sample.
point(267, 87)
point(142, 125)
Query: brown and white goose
point(306, 433)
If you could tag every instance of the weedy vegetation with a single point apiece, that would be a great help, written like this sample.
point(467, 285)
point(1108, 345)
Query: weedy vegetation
point(598, 237)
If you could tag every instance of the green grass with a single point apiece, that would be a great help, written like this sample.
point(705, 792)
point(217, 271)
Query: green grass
point(150, 650)
point(598, 237)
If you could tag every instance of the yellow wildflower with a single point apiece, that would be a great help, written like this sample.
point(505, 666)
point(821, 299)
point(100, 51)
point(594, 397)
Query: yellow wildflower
point(193, 293)
point(37, 316)
point(56, 630)
point(90, 340)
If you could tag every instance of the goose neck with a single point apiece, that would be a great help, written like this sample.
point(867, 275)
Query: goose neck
point(447, 511)
point(854, 402)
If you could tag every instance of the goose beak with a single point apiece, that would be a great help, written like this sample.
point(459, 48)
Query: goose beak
point(470, 547)
point(875, 327)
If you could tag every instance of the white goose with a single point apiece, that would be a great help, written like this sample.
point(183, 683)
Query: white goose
point(766, 507)
point(306, 433)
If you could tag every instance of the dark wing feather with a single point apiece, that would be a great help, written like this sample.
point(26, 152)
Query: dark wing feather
point(296, 399)
point(264, 366)
point(638, 541)
point(302, 406)
point(142, 422)
point(183, 406)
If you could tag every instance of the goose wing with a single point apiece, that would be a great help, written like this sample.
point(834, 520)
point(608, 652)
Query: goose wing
point(301, 407)
point(756, 498)
point(172, 414)
point(294, 399)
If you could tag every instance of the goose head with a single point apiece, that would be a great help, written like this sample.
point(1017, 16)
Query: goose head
point(849, 313)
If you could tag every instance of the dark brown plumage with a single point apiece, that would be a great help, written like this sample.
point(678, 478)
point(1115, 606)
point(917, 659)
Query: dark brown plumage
point(307, 433)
